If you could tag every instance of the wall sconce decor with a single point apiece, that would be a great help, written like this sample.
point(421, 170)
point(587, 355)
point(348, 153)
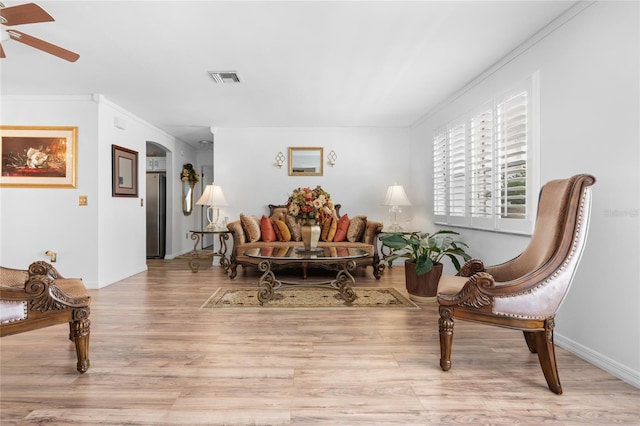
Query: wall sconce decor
point(280, 159)
point(332, 157)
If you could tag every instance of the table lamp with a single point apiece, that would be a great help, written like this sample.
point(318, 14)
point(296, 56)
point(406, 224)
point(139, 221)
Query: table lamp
point(212, 197)
point(395, 198)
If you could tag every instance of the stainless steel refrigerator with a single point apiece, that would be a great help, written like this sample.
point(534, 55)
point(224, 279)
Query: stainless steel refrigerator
point(156, 214)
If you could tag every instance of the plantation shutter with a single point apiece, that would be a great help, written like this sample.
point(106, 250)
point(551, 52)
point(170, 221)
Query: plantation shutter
point(457, 170)
point(485, 164)
point(440, 173)
point(481, 165)
point(511, 144)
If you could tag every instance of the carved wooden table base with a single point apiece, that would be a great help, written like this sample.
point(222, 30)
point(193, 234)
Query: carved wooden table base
point(342, 283)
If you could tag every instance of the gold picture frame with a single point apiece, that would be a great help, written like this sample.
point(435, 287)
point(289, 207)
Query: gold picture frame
point(124, 164)
point(38, 156)
point(306, 161)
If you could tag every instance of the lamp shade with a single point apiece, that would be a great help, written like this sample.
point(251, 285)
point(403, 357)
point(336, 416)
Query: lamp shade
point(212, 196)
point(396, 196)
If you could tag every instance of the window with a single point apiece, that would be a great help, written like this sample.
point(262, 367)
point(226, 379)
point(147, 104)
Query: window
point(484, 164)
point(457, 161)
point(481, 165)
point(440, 174)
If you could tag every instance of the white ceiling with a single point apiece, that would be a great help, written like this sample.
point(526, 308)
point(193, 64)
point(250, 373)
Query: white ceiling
point(301, 64)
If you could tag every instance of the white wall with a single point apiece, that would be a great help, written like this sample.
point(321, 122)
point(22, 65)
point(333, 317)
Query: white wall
point(369, 160)
point(589, 124)
point(35, 220)
point(104, 241)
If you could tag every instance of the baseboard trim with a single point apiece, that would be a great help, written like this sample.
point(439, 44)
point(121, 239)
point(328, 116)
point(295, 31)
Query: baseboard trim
point(607, 364)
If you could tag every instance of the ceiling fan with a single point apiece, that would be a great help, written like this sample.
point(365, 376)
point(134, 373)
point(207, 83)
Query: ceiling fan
point(29, 13)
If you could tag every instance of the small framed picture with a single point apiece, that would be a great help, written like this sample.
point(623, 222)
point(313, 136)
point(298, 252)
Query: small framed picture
point(38, 156)
point(305, 161)
point(125, 172)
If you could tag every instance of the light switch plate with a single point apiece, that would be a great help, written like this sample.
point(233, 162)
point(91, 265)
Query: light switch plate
point(82, 200)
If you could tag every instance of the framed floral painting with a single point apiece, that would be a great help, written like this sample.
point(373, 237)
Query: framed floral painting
point(38, 156)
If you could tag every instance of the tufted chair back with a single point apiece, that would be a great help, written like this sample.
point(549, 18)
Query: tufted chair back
point(553, 254)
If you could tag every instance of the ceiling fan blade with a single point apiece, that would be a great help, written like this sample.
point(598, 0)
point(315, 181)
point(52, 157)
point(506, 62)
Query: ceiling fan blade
point(2, 55)
point(43, 45)
point(24, 14)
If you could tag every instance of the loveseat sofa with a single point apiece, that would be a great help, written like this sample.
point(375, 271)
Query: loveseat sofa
point(247, 233)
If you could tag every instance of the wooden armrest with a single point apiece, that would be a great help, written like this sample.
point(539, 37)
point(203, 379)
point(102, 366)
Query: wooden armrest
point(43, 268)
point(472, 266)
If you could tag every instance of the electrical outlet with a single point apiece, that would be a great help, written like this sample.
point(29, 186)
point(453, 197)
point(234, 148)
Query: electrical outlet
point(82, 200)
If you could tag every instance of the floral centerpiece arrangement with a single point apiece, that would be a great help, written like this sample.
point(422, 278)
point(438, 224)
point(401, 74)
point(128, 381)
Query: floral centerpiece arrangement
point(306, 203)
point(189, 174)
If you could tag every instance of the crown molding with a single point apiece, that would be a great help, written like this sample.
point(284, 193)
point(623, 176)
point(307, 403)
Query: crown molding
point(547, 30)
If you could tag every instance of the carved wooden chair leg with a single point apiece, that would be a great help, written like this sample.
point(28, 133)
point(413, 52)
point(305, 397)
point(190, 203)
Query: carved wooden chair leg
point(530, 338)
point(81, 330)
point(378, 269)
point(445, 323)
point(233, 268)
point(547, 357)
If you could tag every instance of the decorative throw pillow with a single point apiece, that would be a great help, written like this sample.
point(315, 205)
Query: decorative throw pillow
point(329, 229)
point(266, 230)
point(356, 228)
point(294, 227)
point(341, 228)
point(276, 230)
point(251, 226)
point(282, 231)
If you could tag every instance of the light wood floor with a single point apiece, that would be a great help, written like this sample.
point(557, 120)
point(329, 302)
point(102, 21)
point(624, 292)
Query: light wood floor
point(157, 359)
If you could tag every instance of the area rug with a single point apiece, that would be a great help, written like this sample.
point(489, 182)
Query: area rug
point(309, 298)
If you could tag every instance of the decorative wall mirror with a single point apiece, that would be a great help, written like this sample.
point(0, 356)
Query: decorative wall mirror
point(305, 161)
point(187, 197)
point(188, 177)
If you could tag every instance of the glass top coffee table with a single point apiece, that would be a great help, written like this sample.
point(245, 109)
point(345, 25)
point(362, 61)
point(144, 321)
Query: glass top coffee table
point(341, 257)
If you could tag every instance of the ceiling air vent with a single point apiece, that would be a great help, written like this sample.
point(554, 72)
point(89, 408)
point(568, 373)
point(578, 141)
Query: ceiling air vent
point(225, 76)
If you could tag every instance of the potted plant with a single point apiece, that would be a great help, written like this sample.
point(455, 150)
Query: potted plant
point(423, 253)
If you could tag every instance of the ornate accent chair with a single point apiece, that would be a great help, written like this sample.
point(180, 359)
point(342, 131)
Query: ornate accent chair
point(40, 297)
point(526, 292)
